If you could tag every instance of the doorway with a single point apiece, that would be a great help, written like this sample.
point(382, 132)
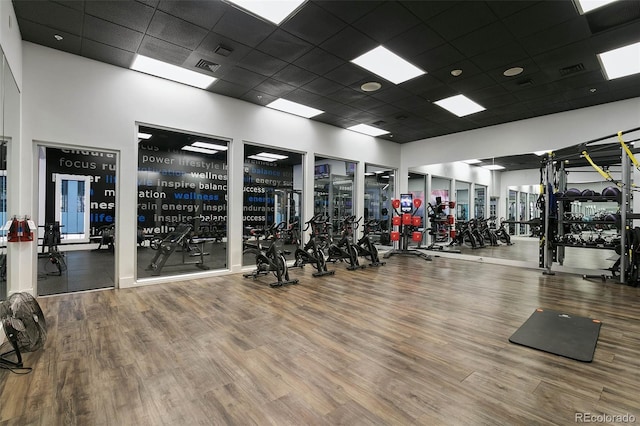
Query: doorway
point(76, 220)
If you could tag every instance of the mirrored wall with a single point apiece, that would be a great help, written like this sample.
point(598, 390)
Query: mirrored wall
point(182, 203)
point(9, 135)
point(272, 202)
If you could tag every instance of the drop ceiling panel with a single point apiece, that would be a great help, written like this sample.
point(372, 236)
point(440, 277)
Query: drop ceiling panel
point(176, 31)
point(52, 15)
point(130, 14)
point(396, 18)
point(105, 32)
point(313, 24)
point(307, 58)
point(105, 53)
point(284, 46)
point(204, 14)
point(163, 51)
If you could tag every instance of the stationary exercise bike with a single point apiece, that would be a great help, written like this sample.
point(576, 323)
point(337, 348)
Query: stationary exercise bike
point(365, 246)
point(272, 259)
point(50, 241)
point(345, 250)
point(313, 250)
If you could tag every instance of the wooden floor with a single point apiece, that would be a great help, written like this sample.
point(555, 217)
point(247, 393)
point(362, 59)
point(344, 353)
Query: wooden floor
point(412, 342)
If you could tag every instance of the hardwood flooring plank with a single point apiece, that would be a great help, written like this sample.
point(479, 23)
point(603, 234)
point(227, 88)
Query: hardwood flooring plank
point(411, 342)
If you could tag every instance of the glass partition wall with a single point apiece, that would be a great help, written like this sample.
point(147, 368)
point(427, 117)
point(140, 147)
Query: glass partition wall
point(334, 189)
point(182, 203)
point(462, 200)
point(480, 201)
point(77, 219)
point(272, 203)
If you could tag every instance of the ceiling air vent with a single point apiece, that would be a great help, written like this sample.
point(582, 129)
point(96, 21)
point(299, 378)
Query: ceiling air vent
point(379, 123)
point(525, 83)
point(207, 66)
point(571, 69)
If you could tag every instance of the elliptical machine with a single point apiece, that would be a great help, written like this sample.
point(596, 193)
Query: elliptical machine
point(365, 246)
point(313, 250)
point(272, 259)
point(345, 249)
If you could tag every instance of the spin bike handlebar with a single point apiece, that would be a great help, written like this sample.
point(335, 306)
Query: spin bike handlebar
point(316, 219)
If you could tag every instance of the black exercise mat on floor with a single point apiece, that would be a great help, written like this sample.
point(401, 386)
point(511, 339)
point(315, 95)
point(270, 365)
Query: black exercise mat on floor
point(559, 333)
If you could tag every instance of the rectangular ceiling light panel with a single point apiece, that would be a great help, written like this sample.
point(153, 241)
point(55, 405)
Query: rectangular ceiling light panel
point(388, 65)
point(460, 105)
point(493, 167)
point(171, 72)
point(621, 62)
point(274, 11)
point(208, 145)
point(294, 108)
point(271, 155)
point(144, 136)
point(586, 6)
point(367, 130)
point(197, 149)
point(261, 158)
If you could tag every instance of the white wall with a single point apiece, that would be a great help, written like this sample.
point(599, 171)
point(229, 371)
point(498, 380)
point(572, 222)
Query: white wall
point(10, 39)
point(75, 101)
point(547, 132)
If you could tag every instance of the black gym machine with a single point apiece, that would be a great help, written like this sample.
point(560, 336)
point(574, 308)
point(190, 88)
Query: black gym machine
point(271, 259)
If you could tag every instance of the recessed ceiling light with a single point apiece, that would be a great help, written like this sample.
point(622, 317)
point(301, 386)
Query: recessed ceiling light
point(511, 72)
point(208, 145)
point(387, 65)
point(585, 6)
point(472, 161)
point(493, 167)
point(261, 158)
point(273, 11)
point(294, 108)
point(371, 86)
point(460, 105)
point(58, 37)
point(144, 136)
point(367, 130)
point(171, 72)
point(456, 73)
point(197, 149)
point(621, 62)
point(593, 90)
point(271, 155)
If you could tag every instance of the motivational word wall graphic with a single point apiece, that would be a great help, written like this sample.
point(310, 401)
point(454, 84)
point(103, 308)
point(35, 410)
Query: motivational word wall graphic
point(261, 178)
point(100, 167)
point(176, 186)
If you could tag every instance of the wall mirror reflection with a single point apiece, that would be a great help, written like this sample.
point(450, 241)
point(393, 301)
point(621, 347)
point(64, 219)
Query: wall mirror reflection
point(379, 191)
point(9, 134)
point(3, 220)
point(512, 200)
point(182, 203)
point(77, 217)
point(272, 202)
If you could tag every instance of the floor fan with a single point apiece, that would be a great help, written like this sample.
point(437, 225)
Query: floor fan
point(25, 327)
